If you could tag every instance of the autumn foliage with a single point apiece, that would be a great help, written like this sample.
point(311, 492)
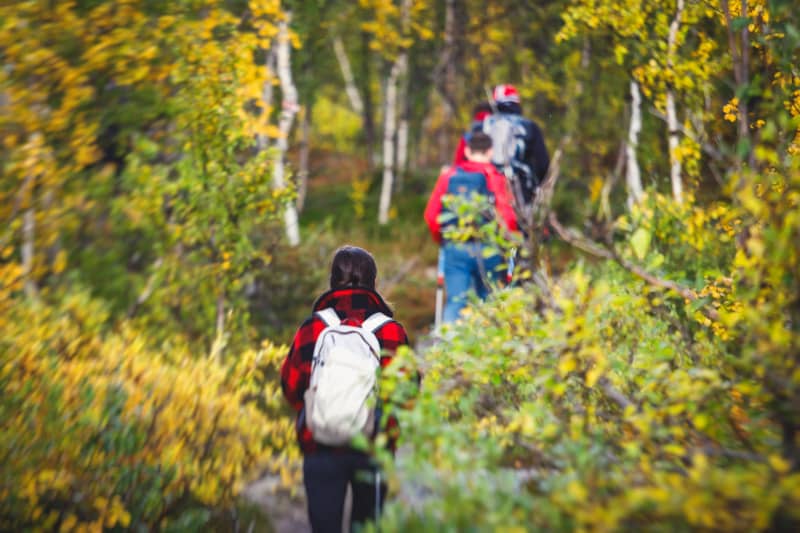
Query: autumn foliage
point(644, 375)
point(101, 432)
point(607, 403)
point(136, 205)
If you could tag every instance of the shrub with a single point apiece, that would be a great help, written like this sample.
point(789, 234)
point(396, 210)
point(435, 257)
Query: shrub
point(609, 403)
point(98, 431)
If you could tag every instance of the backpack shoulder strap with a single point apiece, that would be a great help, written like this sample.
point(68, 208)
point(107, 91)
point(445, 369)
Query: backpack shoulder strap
point(329, 316)
point(375, 322)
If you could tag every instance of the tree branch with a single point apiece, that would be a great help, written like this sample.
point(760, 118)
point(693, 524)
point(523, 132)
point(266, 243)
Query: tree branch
point(148, 288)
point(609, 252)
point(613, 394)
point(707, 148)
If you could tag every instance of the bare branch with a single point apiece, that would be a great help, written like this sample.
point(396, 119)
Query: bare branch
point(613, 394)
point(706, 147)
point(347, 74)
point(609, 252)
point(148, 288)
point(405, 268)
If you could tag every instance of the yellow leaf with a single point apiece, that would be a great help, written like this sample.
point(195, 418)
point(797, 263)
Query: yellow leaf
point(60, 262)
point(593, 375)
point(577, 491)
point(567, 365)
point(69, 523)
point(674, 449)
point(100, 503)
point(779, 464)
point(595, 188)
point(701, 421)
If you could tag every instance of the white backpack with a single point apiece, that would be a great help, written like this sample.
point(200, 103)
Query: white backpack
point(508, 139)
point(339, 402)
point(508, 135)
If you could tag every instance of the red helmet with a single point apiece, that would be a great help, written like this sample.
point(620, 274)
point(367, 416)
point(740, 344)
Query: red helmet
point(505, 93)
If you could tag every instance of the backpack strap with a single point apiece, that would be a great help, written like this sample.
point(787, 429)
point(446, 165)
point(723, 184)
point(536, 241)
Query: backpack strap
point(375, 322)
point(329, 316)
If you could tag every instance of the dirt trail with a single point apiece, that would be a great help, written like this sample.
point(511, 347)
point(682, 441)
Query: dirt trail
point(287, 514)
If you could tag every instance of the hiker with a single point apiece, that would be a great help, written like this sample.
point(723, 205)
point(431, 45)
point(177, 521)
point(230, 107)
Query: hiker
point(466, 266)
point(329, 468)
point(479, 113)
point(519, 151)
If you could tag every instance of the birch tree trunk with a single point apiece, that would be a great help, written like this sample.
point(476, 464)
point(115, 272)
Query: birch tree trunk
point(27, 251)
point(305, 150)
point(402, 128)
point(367, 119)
point(266, 96)
point(347, 74)
point(220, 322)
point(672, 115)
point(633, 177)
point(390, 120)
point(447, 77)
point(389, 127)
point(289, 108)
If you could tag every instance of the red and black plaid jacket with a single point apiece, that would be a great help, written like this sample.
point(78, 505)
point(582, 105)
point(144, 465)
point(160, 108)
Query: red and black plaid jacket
point(353, 305)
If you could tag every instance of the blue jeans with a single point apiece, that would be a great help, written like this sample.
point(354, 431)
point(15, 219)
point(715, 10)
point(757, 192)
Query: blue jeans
point(465, 270)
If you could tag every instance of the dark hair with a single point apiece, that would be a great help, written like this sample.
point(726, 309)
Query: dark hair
point(482, 107)
point(479, 142)
point(353, 267)
point(512, 108)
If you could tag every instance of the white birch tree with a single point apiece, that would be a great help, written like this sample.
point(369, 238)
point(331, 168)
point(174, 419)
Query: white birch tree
point(347, 74)
point(633, 177)
point(399, 65)
point(389, 128)
point(289, 108)
point(672, 115)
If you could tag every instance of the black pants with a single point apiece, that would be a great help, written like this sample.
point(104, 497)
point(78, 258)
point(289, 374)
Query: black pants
point(326, 476)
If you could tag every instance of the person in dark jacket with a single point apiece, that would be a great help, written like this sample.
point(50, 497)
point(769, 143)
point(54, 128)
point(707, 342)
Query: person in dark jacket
point(535, 161)
point(328, 470)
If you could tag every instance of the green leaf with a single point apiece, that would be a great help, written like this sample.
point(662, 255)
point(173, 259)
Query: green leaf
point(739, 23)
point(743, 148)
point(640, 242)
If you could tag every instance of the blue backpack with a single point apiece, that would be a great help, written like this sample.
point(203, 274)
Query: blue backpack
point(466, 185)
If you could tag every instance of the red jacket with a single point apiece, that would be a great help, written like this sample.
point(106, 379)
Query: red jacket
point(495, 182)
point(353, 305)
point(460, 155)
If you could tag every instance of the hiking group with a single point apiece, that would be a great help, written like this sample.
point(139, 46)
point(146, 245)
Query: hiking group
point(329, 376)
point(502, 159)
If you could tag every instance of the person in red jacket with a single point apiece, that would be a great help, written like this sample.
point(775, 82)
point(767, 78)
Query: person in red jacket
point(328, 470)
point(467, 266)
point(479, 112)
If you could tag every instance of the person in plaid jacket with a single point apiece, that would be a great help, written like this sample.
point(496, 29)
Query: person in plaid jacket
point(327, 470)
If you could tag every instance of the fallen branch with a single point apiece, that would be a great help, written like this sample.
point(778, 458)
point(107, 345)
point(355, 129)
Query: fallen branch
point(608, 252)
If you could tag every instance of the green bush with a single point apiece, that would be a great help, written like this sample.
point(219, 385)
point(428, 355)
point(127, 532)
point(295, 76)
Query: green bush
point(609, 403)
